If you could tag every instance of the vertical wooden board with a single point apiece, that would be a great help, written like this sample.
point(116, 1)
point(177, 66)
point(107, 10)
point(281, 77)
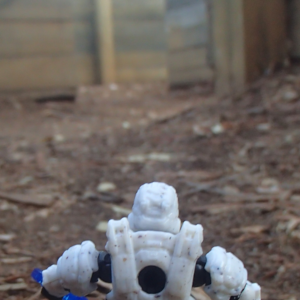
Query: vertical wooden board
point(294, 26)
point(276, 30)
point(255, 38)
point(105, 41)
point(265, 35)
point(220, 30)
point(187, 25)
point(26, 38)
point(237, 55)
point(45, 72)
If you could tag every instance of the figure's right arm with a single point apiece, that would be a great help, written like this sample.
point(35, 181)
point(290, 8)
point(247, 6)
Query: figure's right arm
point(76, 272)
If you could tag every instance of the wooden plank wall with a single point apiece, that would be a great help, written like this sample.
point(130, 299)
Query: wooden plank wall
point(294, 27)
point(189, 42)
point(249, 40)
point(46, 44)
point(265, 25)
point(140, 40)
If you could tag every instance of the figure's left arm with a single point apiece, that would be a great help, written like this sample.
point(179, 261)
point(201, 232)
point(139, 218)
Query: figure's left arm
point(224, 277)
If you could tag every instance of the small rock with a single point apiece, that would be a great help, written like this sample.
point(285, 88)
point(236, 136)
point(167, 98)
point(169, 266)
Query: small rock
point(121, 211)
point(126, 125)
point(59, 138)
point(6, 237)
point(113, 87)
point(101, 226)
point(295, 198)
point(106, 187)
point(290, 95)
point(268, 186)
point(25, 180)
point(89, 195)
point(217, 129)
point(201, 131)
point(263, 127)
point(54, 228)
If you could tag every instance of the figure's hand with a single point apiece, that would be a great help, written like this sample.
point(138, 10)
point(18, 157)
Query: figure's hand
point(228, 275)
point(73, 272)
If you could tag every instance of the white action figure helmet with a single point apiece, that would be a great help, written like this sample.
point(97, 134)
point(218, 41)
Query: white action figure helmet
point(155, 208)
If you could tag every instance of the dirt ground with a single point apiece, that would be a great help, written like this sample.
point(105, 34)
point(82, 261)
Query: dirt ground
point(66, 168)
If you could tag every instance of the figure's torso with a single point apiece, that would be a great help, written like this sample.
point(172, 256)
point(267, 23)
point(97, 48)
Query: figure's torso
point(148, 265)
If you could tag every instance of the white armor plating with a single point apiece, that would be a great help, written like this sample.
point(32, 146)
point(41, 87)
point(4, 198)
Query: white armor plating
point(130, 251)
point(73, 271)
point(151, 236)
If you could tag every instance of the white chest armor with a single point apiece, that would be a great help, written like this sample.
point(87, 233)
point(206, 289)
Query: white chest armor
point(173, 255)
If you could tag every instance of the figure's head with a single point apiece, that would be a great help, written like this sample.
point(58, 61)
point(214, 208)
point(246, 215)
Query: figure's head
point(155, 208)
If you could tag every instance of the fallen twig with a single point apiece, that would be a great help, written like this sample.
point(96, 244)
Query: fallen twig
point(15, 260)
point(13, 287)
point(26, 199)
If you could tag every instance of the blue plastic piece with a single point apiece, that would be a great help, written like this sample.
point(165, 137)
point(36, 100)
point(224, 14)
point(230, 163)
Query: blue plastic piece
point(37, 275)
point(72, 297)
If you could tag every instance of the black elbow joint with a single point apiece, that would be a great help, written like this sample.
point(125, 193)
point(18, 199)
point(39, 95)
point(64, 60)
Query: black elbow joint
point(201, 276)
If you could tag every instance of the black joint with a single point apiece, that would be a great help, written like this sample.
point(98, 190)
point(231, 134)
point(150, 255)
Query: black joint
point(201, 276)
point(104, 271)
point(45, 293)
point(238, 296)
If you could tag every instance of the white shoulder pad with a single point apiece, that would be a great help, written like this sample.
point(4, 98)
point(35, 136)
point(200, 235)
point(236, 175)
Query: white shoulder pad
point(228, 275)
point(251, 292)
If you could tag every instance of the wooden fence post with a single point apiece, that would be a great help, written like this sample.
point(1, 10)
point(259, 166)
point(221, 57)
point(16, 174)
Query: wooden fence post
point(105, 40)
point(228, 40)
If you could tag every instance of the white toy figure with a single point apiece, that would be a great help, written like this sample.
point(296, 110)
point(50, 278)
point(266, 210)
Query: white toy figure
point(149, 256)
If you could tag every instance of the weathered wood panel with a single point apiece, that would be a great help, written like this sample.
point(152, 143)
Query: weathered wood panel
point(45, 72)
point(181, 38)
point(188, 28)
point(138, 60)
point(188, 58)
point(139, 10)
point(140, 40)
point(294, 26)
point(25, 38)
point(191, 76)
point(46, 44)
point(142, 75)
point(46, 9)
point(146, 35)
point(265, 35)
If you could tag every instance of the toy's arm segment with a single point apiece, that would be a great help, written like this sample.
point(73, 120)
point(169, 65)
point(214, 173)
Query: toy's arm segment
point(224, 277)
point(75, 274)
